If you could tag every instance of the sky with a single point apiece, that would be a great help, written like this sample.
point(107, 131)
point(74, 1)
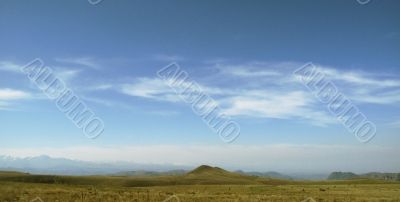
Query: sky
point(241, 54)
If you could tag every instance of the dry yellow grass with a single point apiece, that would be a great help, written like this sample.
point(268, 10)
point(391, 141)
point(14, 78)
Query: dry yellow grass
point(12, 191)
point(200, 185)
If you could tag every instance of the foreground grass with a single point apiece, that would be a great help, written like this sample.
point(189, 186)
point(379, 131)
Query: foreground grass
point(195, 186)
point(15, 191)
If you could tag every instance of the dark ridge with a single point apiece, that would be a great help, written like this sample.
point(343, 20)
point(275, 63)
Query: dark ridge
point(205, 169)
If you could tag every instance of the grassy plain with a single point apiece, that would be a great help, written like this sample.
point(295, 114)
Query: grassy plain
point(197, 186)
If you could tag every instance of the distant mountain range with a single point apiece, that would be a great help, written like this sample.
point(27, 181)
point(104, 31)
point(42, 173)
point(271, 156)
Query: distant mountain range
point(150, 173)
point(202, 175)
point(274, 175)
point(270, 174)
point(62, 166)
point(372, 175)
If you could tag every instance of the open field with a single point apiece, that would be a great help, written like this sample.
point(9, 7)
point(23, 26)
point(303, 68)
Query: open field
point(11, 191)
point(191, 187)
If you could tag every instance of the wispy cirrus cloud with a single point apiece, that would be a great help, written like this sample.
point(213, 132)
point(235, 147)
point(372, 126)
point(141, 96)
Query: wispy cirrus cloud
point(101, 86)
point(278, 105)
point(377, 97)
point(152, 88)
point(10, 66)
point(366, 88)
point(80, 61)
point(65, 73)
point(9, 96)
point(252, 69)
point(12, 94)
point(249, 89)
point(359, 78)
point(259, 103)
point(245, 93)
point(168, 58)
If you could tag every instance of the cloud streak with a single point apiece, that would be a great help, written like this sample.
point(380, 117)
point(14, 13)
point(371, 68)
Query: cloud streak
point(249, 89)
point(246, 102)
point(9, 96)
point(80, 61)
point(10, 67)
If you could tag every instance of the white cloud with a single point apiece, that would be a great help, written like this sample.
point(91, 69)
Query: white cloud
point(150, 88)
point(280, 105)
point(247, 71)
point(66, 74)
point(250, 89)
point(168, 58)
point(266, 104)
point(11, 94)
point(359, 78)
point(391, 97)
point(10, 67)
point(365, 88)
point(259, 103)
point(108, 102)
point(279, 157)
point(101, 87)
point(82, 61)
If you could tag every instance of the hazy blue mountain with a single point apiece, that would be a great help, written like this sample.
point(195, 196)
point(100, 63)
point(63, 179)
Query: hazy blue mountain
point(309, 176)
point(382, 176)
point(270, 174)
point(372, 175)
point(150, 173)
point(63, 166)
point(342, 176)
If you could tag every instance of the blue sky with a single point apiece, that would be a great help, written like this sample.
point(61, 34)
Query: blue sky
point(242, 54)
